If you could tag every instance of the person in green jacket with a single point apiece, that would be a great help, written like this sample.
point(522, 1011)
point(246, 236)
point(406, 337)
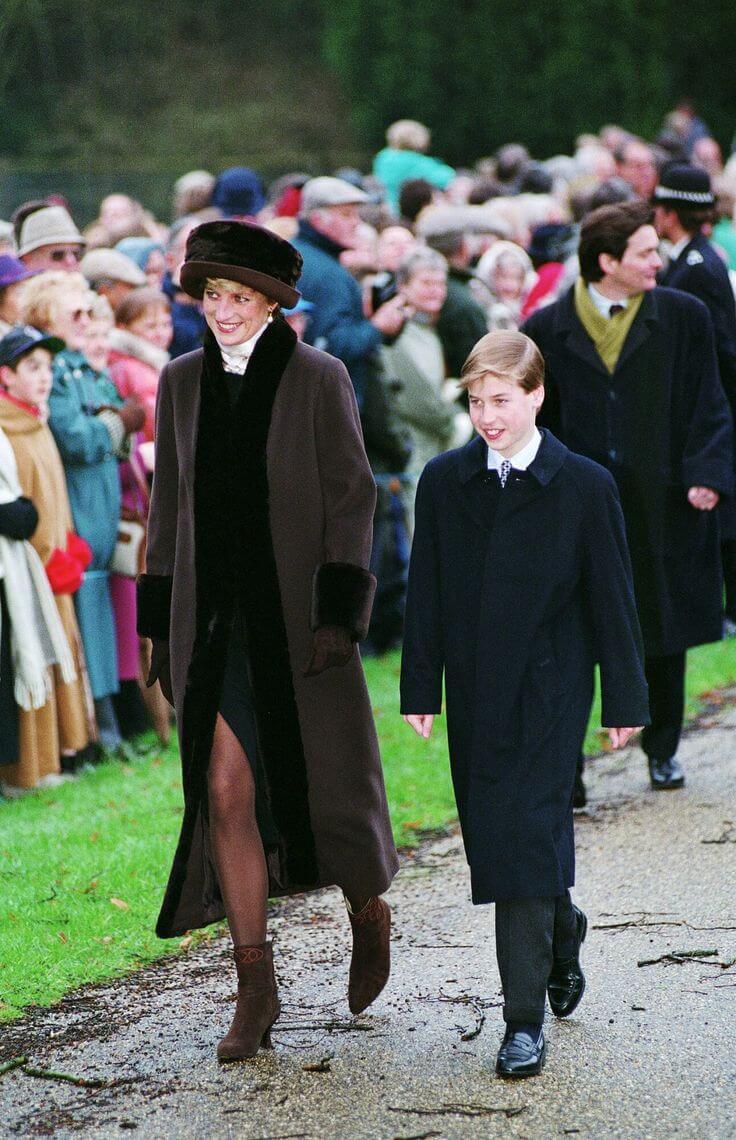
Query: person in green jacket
point(405, 157)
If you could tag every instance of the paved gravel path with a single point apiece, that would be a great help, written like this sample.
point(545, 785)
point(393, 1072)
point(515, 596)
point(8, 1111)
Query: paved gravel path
point(651, 1051)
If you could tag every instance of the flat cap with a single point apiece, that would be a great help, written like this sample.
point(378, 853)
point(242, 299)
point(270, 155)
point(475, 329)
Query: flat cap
point(325, 191)
point(111, 265)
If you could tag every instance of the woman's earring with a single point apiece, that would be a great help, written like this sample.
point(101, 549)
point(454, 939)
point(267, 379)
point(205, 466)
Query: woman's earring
point(269, 318)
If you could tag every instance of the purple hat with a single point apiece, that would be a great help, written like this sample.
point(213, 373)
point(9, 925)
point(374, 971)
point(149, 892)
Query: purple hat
point(12, 270)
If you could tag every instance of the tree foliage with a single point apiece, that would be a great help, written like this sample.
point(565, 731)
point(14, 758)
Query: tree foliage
point(310, 83)
point(482, 72)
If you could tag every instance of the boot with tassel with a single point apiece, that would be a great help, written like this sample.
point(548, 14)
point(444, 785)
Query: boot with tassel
point(258, 1004)
point(370, 964)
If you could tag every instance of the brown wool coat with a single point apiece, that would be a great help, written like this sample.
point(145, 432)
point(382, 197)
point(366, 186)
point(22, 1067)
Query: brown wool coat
point(316, 503)
point(64, 722)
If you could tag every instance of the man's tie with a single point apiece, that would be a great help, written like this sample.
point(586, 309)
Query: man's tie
point(615, 309)
point(503, 471)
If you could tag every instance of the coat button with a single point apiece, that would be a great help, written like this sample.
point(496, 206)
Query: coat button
point(611, 395)
point(613, 454)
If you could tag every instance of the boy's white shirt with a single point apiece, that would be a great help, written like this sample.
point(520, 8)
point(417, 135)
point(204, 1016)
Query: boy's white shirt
point(521, 460)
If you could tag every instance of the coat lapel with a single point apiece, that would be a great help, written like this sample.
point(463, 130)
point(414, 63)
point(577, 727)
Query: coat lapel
point(569, 328)
point(640, 331)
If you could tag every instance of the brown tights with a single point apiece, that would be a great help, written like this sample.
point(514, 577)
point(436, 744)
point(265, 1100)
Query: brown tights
point(236, 840)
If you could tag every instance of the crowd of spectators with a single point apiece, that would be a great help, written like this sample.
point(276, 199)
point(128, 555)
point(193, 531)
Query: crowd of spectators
point(405, 268)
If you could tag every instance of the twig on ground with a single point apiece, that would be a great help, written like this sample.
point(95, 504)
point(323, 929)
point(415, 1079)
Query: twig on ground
point(321, 1066)
point(82, 1082)
point(681, 956)
point(14, 1063)
point(331, 1027)
point(450, 1109)
point(727, 836)
point(480, 1020)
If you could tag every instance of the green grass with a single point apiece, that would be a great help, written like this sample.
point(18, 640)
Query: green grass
point(82, 867)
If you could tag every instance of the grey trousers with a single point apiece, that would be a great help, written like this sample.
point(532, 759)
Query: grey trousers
point(529, 933)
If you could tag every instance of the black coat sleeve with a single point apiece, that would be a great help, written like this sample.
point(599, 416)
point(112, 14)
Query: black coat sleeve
point(708, 446)
point(717, 296)
point(422, 659)
point(609, 591)
point(18, 519)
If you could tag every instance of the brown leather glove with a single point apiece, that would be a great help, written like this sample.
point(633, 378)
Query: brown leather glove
point(132, 414)
point(160, 668)
point(333, 646)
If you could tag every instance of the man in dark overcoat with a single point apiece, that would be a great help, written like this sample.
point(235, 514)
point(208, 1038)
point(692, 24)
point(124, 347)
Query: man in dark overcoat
point(519, 582)
point(632, 382)
point(683, 205)
point(256, 591)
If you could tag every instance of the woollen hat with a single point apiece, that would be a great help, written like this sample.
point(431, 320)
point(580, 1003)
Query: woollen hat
point(12, 270)
point(23, 338)
point(245, 252)
point(111, 265)
point(238, 191)
point(682, 184)
point(139, 249)
point(326, 191)
point(51, 225)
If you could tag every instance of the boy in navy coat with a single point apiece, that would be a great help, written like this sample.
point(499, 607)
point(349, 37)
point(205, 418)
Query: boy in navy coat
point(520, 582)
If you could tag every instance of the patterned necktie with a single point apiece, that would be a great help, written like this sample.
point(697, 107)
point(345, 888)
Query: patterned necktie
point(503, 471)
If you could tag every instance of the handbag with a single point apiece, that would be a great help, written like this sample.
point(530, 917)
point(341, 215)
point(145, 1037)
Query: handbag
point(128, 558)
point(129, 554)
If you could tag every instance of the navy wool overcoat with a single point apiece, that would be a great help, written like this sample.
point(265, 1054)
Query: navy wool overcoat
point(660, 424)
point(515, 605)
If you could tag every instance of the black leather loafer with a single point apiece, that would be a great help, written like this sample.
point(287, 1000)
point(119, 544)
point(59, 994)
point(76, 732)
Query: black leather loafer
point(665, 774)
point(566, 983)
point(521, 1055)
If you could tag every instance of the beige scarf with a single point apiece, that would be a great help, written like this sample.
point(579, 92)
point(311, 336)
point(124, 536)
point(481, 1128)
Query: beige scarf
point(37, 638)
point(607, 333)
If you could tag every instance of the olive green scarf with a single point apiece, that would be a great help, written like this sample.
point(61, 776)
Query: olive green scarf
point(607, 333)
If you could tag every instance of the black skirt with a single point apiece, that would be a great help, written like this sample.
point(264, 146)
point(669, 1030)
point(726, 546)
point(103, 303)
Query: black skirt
point(8, 707)
point(237, 708)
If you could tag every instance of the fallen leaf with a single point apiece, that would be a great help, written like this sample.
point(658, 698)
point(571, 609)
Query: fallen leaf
point(63, 937)
point(120, 904)
point(186, 942)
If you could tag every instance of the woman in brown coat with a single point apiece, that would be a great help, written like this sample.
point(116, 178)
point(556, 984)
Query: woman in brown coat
point(256, 591)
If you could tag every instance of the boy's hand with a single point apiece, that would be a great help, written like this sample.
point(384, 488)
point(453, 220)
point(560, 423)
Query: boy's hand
point(420, 722)
point(702, 498)
point(621, 736)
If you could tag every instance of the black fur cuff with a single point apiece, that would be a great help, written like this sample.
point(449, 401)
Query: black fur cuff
point(153, 599)
point(342, 594)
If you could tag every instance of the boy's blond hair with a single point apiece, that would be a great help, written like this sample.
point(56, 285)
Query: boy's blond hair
point(506, 355)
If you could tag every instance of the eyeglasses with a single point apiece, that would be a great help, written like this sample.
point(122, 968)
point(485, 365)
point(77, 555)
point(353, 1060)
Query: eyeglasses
point(62, 254)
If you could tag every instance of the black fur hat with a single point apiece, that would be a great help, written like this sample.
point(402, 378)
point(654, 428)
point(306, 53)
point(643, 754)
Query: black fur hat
point(242, 251)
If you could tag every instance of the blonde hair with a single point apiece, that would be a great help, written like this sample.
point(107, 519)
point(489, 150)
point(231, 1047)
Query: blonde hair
point(408, 134)
point(505, 355)
point(42, 294)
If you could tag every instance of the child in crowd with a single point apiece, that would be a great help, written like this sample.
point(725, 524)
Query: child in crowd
point(54, 734)
point(519, 582)
point(140, 348)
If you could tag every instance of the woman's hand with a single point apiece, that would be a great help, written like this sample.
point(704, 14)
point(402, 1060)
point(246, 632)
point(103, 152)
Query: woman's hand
point(702, 498)
point(621, 736)
point(420, 722)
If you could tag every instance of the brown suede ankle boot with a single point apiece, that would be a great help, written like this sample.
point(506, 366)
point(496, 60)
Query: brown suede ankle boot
point(258, 1004)
point(370, 964)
